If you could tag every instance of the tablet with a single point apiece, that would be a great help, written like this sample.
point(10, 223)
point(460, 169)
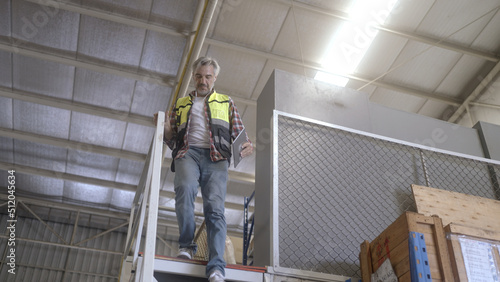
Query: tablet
point(237, 144)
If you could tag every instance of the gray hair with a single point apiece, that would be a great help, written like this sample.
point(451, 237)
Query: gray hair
point(203, 61)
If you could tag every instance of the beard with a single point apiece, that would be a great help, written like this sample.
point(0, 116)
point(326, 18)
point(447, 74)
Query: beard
point(203, 91)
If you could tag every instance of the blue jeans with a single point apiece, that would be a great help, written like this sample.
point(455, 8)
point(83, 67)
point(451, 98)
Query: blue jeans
point(193, 170)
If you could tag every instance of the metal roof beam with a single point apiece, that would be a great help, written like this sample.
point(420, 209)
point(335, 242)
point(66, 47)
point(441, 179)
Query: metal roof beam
point(75, 106)
point(475, 93)
point(109, 16)
point(16, 48)
point(441, 44)
point(410, 91)
point(64, 143)
point(485, 105)
point(331, 13)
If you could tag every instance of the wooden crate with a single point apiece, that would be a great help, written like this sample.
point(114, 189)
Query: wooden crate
point(455, 231)
point(458, 208)
point(463, 215)
point(393, 243)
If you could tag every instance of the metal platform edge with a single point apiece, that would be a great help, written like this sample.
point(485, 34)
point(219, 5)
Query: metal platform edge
point(198, 270)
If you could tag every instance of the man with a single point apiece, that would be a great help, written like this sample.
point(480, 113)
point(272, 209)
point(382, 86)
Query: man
point(199, 131)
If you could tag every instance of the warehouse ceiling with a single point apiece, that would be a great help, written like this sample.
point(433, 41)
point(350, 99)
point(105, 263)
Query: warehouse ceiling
point(81, 79)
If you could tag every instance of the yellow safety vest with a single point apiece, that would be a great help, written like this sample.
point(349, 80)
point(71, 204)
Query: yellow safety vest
point(219, 124)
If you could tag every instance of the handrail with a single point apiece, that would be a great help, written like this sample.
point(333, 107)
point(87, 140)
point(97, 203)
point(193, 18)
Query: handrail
point(145, 205)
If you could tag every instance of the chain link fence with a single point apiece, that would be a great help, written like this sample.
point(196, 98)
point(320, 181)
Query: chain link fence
point(337, 188)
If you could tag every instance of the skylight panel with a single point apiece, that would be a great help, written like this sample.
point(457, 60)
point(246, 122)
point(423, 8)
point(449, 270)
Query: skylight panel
point(353, 39)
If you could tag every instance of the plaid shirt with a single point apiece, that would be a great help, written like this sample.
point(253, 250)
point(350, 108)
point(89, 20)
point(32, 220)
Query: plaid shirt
point(236, 126)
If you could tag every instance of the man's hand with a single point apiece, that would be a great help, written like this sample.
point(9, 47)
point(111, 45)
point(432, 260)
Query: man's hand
point(167, 127)
point(247, 149)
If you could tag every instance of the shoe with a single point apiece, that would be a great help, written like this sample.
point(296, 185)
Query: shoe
point(185, 253)
point(216, 276)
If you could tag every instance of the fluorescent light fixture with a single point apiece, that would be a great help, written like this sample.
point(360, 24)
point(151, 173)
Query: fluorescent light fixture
point(353, 39)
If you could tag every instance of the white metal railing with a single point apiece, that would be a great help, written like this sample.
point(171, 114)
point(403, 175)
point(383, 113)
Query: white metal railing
point(145, 205)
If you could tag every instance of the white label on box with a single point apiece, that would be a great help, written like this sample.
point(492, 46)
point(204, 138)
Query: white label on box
point(384, 273)
point(478, 259)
